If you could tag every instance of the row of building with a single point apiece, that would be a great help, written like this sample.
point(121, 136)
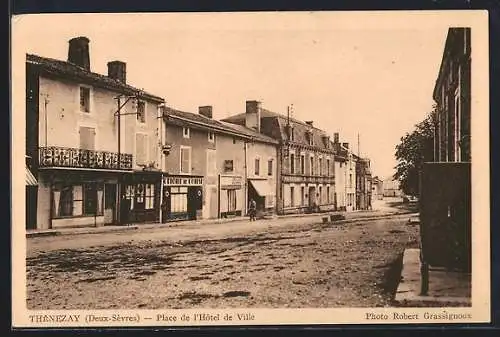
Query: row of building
point(100, 151)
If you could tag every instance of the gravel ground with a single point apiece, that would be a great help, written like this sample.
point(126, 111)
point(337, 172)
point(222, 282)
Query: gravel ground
point(310, 265)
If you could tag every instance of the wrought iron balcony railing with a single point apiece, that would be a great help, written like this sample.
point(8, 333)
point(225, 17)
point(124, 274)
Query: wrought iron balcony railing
point(55, 156)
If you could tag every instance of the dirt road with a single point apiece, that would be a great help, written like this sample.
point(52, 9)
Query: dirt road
point(295, 262)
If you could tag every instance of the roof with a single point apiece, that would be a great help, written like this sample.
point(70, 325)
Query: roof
point(213, 124)
point(73, 71)
point(274, 125)
point(257, 136)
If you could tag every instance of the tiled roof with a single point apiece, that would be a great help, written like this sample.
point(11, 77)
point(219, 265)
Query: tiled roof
point(200, 121)
point(67, 69)
point(270, 121)
point(257, 136)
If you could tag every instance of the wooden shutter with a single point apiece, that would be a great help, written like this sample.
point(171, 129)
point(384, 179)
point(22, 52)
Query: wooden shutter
point(87, 138)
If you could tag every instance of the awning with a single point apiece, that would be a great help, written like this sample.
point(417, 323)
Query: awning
point(262, 187)
point(30, 178)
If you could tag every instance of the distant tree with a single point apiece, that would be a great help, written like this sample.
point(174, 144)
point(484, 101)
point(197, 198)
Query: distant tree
point(414, 149)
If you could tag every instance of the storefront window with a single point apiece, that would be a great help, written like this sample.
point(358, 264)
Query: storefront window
point(149, 196)
point(78, 200)
point(178, 199)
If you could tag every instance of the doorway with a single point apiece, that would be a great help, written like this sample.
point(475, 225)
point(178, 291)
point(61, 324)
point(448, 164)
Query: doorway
point(110, 204)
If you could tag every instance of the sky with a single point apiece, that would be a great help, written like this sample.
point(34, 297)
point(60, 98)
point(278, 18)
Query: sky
point(370, 74)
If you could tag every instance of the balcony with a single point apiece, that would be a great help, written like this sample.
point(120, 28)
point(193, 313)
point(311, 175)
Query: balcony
point(55, 156)
point(307, 179)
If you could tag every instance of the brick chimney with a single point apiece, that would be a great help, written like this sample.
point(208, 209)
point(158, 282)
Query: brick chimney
point(346, 145)
point(117, 70)
point(336, 137)
point(252, 115)
point(310, 123)
point(205, 111)
point(78, 52)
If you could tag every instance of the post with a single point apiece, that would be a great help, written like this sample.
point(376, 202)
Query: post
point(218, 196)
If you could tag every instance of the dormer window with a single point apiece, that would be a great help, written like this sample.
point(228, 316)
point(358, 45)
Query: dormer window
point(289, 130)
point(310, 138)
point(326, 141)
point(185, 132)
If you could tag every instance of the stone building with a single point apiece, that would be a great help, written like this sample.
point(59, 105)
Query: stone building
point(345, 176)
point(92, 143)
point(213, 168)
point(305, 159)
point(363, 183)
point(452, 96)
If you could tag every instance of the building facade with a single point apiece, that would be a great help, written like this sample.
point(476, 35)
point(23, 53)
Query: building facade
point(93, 143)
point(452, 97)
point(215, 168)
point(363, 184)
point(345, 176)
point(305, 159)
point(391, 188)
point(377, 188)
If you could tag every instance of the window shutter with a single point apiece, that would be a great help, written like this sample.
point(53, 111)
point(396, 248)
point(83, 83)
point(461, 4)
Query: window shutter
point(87, 138)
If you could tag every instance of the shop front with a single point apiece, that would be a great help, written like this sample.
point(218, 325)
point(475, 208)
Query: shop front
point(75, 198)
point(182, 197)
point(140, 197)
point(263, 192)
point(231, 196)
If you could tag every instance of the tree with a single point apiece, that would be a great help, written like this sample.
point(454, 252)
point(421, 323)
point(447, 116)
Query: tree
point(414, 149)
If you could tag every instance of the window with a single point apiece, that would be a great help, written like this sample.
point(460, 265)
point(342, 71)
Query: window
point(141, 112)
point(178, 199)
point(350, 180)
point(234, 140)
point(257, 166)
point(328, 194)
point(211, 137)
point(231, 200)
point(76, 200)
point(292, 163)
point(87, 138)
point(320, 194)
point(142, 196)
point(302, 195)
point(211, 163)
point(84, 99)
point(270, 167)
point(320, 164)
point(311, 169)
point(185, 132)
point(291, 133)
point(328, 167)
point(185, 164)
point(292, 196)
point(302, 163)
point(141, 148)
point(149, 196)
point(228, 166)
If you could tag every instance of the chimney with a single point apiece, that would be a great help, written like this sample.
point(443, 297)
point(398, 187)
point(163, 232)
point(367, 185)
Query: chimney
point(336, 137)
point(310, 123)
point(205, 111)
point(346, 145)
point(252, 115)
point(78, 52)
point(117, 70)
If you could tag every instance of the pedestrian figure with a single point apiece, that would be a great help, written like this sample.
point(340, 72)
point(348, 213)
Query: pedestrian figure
point(252, 209)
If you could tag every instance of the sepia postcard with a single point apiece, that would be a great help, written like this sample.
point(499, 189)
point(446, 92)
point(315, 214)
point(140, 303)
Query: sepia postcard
point(250, 168)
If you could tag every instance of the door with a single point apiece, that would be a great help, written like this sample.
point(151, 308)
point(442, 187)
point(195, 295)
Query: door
point(312, 196)
point(31, 201)
point(110, 203)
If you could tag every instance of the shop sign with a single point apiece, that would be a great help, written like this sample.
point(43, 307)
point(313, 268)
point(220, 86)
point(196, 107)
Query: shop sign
point(231, 182)
point(182, 181)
